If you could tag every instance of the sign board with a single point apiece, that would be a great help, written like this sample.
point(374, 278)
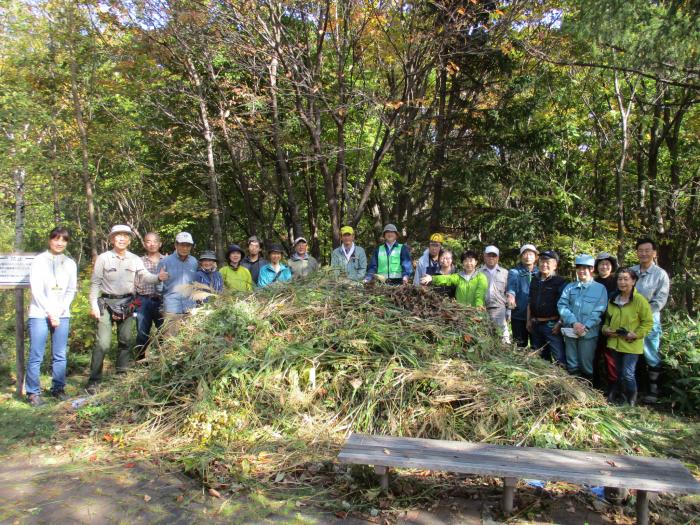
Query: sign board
point(14, 269)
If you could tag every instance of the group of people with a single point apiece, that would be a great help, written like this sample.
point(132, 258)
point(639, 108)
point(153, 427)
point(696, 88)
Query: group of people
point(608, 312)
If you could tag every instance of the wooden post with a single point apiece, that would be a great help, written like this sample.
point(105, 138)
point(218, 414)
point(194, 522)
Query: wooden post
point(383, 473)
point(19, 339)
point(508, 493)
point(642, 507)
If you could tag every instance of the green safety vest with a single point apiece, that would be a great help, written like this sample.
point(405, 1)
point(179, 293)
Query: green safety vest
point(391, 265)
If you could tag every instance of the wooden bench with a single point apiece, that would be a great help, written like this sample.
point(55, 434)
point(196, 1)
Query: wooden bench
point(512, 463)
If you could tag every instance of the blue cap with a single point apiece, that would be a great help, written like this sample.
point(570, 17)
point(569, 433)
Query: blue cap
point(584, 260)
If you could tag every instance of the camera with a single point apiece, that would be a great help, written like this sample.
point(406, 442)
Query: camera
point(622, 331)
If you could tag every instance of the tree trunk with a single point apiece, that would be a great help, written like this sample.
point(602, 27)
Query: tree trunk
point(291, 205)
point(84, 147)
point(208, 136)
point(625, 110)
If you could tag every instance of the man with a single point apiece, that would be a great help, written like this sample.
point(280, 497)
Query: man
point(496, 293)
point(429, 262)
point(518, 292)
point(253, 262)
point(543, 322)
point(112, 289)
point(391, 262)
point(148, 298)
point(348, 258)
point(236, 276)
point(301, 263)
point(655, 286)
point(182, 269)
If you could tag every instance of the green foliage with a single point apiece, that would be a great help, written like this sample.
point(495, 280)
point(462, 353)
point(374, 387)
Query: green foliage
point(83, 328)
point(680, 347)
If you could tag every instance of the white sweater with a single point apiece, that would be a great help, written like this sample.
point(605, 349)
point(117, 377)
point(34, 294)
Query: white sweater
point(53, 280)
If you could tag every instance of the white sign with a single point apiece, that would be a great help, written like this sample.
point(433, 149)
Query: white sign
point(14, 270)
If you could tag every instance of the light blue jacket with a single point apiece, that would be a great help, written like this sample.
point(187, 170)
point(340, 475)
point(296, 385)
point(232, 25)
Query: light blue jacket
point(180, 272)
point(355, 268)
point(268, 276)
point(583, 303)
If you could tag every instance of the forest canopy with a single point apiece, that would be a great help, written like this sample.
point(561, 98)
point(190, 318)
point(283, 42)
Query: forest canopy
point(571, 124)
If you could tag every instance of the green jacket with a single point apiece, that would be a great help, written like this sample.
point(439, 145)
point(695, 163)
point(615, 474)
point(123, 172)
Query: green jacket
point(635, 316)
point(238, 280)
point(470, 292)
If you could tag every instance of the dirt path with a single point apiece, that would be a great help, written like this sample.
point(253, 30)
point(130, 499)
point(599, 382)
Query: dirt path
point(60, 475)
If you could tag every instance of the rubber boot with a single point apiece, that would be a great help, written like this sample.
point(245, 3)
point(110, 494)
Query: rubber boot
point(631, 397)
point(613, 394)
point(652, 396)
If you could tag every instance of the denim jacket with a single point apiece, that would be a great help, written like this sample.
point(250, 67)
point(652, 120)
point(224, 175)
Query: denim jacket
point(519, 286)
point(583, 303)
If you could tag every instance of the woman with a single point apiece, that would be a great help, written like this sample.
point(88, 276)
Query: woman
point(471, 284)
point(627, 322)
point(581, 307)
point(208, 275)
point(446, 268)
point(53, 279)
point(605, 268)
point(274, 271)
point(236, 276)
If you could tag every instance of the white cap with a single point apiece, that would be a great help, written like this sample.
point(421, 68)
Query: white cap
point(300, 239)
point(184, 238)
point(530, 247)
point(492, 249)
point(120, 228)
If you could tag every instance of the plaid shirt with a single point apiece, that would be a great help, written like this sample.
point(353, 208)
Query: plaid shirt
point(144, 288)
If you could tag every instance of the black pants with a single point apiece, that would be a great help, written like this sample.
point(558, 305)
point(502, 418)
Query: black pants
point(521, 336)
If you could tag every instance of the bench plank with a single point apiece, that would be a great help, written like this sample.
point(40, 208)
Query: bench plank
point(642, 473)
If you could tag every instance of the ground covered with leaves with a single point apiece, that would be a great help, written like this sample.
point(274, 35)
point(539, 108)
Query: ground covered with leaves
point(262, 389)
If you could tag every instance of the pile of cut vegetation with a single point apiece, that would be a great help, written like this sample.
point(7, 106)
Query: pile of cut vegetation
point(259, 387)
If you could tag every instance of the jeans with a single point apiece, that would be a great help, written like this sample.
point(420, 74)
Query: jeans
point(551, 345)
point(103, 342)
point(626, 366)
point(39, 329)
point(580, 354)
point(652, 342)
point(520, 333)
point(147, 315)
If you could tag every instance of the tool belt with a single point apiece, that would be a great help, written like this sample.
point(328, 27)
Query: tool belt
point(119, 307)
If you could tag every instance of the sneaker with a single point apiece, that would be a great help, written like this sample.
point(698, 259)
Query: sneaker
point(35, 400)
point(60, 395)
point(92, 388)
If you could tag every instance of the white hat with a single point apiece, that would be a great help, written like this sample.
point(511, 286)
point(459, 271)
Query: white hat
point(184, 238)
point(530, 247)
point(120, 228)
point(300, 239)
point(492, 249)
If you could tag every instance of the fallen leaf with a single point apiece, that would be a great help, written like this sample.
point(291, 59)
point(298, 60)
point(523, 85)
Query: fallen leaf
point(131, 464)
point(214, 493)
point(146, 498)
point(279, 477)
point(610, 462)
point(180, 498)
point(387, 452)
